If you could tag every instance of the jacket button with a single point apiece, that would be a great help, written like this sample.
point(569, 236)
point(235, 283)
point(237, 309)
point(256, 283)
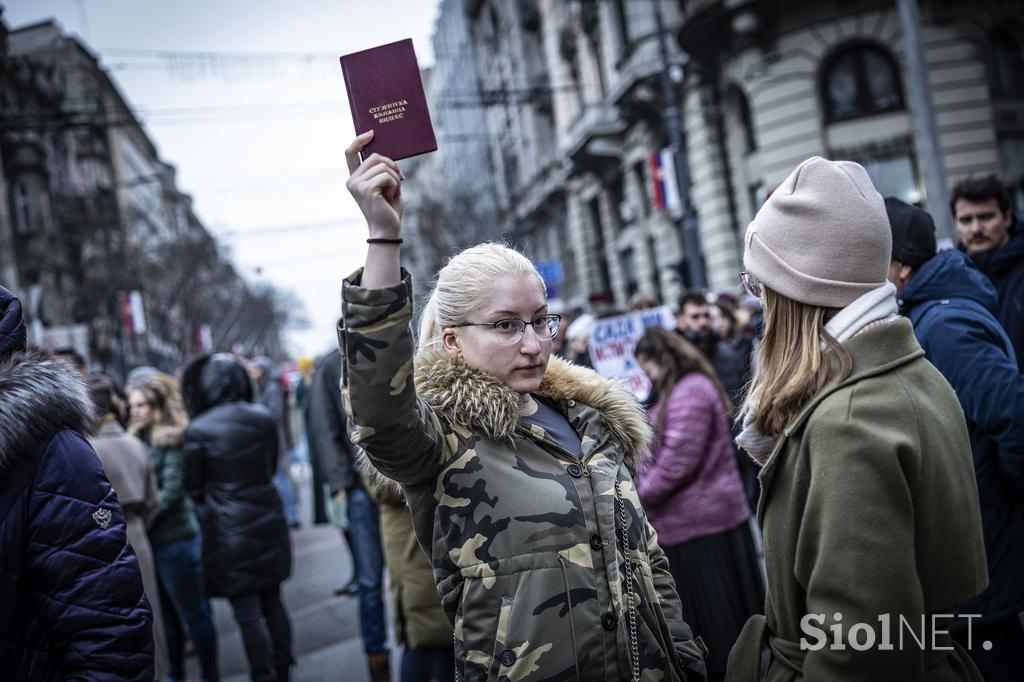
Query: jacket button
point(572, 403)
point(596, 542)
point(608, 621)
point(507, 657)
point(574, 470)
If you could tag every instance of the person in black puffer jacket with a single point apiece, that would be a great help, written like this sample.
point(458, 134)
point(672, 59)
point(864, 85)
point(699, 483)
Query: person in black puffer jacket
point(71, 599)
point(230, 453)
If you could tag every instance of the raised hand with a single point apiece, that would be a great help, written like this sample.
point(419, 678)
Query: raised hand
point(375, 184)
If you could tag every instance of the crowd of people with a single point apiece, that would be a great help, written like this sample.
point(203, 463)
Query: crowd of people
point(126, 509)
point(880, 415)
point(842, 443)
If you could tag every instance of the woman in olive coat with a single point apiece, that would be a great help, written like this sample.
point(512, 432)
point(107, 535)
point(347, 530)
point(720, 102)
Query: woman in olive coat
point(869, 508)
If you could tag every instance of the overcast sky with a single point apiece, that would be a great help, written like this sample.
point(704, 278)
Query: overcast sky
point(258, 146)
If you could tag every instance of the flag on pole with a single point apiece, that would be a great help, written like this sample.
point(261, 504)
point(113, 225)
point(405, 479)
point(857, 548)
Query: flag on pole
point(132, 314)
point(663, 180)
point(138, 313)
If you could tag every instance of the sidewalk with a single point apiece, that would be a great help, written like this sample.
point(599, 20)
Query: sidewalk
point(325, 628)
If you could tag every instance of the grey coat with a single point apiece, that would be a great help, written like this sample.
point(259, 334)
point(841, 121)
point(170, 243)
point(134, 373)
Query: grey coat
point(126, 463)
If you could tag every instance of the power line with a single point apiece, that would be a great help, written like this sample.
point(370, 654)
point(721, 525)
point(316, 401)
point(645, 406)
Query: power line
point(289, 229)
point(241, 54)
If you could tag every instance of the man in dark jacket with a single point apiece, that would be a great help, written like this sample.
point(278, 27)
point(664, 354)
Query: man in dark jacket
point(984, 221)
point(70, 588)
point(731, 363)
point(950, 303)
point(328, 434)
point(230, 453)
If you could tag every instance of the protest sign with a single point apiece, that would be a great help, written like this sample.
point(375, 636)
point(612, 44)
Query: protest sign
point(613, 339)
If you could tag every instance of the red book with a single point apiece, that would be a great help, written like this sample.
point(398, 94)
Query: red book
point(385, 93)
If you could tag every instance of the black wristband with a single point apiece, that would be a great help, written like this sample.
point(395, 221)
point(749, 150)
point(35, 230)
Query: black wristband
point(381, 240)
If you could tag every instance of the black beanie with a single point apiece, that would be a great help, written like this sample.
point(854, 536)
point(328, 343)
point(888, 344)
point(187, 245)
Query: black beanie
point(913, 232)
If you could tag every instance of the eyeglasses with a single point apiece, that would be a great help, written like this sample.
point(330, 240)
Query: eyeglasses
point(751, 285)
point(511, 329)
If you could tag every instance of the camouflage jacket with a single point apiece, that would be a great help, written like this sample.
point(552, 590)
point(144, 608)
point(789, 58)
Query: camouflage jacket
point(524, 537)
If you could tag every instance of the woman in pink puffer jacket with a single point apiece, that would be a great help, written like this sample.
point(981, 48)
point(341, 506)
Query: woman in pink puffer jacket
point(693, 494)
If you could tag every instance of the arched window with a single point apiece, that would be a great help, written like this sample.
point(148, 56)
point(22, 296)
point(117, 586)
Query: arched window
point(860, 80)
point(737, 100)
point(1006, 64)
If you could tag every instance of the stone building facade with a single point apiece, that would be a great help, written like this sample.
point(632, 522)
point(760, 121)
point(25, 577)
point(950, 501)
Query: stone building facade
point(786, 81)
point(571, 91)
point(83, 189)
point(573, 107)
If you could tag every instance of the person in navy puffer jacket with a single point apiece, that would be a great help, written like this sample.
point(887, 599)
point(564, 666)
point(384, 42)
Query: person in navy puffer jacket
point(71, 599)
point(952, 305)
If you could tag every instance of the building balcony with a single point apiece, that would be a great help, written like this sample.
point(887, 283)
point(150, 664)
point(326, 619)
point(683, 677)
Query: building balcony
point(539, 190)
point(637, 91)
point(594, 142)
point(716, 26)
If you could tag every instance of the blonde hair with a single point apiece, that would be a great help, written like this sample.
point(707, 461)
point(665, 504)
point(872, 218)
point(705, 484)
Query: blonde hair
point(796, 359)
point(164, 399)
point(463, 284)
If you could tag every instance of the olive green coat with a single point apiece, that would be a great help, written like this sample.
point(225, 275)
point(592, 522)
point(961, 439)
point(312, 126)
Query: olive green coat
point(869, 506)
point(416, 605)
point(524, 537)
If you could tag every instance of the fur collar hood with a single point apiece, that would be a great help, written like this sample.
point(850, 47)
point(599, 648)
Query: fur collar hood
point(166, 436)
point(471, 398)
point(39, 395)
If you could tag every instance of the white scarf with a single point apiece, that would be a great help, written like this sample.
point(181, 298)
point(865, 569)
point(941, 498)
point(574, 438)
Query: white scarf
point(877, 304)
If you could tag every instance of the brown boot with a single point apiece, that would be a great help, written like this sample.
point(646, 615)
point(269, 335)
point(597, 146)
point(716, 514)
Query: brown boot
point(380, 669)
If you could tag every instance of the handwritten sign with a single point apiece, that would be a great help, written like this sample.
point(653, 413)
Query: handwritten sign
point(612, 342)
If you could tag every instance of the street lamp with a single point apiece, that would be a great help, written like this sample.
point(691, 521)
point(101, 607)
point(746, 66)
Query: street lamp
point(670, 74)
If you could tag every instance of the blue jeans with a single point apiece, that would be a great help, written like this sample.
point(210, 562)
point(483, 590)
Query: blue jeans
point(364, 529)
point(179, 570)
point(286, 490)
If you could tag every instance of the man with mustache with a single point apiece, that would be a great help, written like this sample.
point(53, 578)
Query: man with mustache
point(995, 243)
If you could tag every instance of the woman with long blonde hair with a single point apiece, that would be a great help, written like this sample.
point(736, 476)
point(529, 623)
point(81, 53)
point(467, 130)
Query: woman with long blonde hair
point(869, 508)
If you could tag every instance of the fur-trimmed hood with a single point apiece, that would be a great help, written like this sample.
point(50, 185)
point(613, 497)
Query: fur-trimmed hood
point(474, 399)
point(39, 396)
point(167, 436)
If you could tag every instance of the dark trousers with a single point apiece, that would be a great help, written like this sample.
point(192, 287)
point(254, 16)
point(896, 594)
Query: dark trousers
point(364, 531)
point(266, 634)
point(1004, 661)
point(179, 571)
point(428, 664)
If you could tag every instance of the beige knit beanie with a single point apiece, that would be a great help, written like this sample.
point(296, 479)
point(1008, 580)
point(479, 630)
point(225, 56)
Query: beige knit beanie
point(823, 236)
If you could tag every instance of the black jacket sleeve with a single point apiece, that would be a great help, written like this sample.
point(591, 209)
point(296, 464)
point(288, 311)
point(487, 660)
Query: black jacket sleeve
point(328, 427)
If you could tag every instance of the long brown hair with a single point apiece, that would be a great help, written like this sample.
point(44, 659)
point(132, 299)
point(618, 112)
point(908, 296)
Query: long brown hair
point(164, 399)
point(677, 357)
point(796, 359)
